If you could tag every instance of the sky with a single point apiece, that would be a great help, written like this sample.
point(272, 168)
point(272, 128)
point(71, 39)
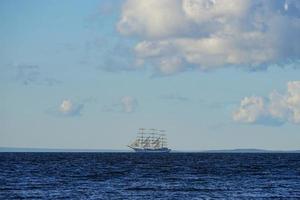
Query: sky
point(88, 74)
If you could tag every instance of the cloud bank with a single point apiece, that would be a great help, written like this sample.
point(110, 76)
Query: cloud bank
point(277, 107)
point(178, 35)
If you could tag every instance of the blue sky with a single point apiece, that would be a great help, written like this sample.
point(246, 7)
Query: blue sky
point(214, 74)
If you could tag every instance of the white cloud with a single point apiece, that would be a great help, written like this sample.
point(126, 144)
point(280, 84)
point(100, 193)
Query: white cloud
point(206, 34)
point(68, 108)
point(151, 18)
point(286, 6)
point(251, 109)
point(293, 100)
point(129, 104)
point(278, 107)
point(214, 10)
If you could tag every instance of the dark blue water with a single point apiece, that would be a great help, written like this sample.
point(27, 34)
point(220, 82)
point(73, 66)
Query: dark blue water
point(138, 176)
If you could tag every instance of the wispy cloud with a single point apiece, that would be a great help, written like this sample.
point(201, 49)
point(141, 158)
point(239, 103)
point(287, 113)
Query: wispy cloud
point(175, 97)
point(126, 104)
point(277, 109)
point(129, 104)
point(29, 74)
point(110, 54)
point(118, 57)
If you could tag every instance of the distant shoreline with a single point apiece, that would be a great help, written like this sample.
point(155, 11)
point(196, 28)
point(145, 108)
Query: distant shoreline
point(61, 150)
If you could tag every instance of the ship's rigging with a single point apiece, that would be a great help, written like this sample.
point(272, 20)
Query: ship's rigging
point(150, 139)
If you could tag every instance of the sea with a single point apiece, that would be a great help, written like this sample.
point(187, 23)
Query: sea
point(149, 176)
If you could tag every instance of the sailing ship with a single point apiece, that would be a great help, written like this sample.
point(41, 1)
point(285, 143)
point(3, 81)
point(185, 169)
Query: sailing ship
point(150, 141)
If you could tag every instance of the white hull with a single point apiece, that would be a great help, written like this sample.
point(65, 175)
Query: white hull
point(159, 150)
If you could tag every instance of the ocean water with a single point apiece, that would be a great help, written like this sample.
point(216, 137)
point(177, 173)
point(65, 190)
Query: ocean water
point(149, 176)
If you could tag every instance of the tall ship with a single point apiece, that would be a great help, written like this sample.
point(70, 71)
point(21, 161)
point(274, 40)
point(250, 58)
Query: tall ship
point(150, 141)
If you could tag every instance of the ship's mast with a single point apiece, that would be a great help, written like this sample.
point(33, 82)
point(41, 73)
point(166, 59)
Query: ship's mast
point(150, 139)
point(162, 136)
point(153, 133)
point(141, 131)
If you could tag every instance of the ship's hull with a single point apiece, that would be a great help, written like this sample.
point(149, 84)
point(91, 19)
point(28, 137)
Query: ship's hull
point(158, 150)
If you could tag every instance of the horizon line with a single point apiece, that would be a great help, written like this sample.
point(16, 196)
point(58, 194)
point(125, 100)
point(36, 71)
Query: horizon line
point(74, 150)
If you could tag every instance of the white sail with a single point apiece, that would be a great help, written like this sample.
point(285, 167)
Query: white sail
point(150, 140)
